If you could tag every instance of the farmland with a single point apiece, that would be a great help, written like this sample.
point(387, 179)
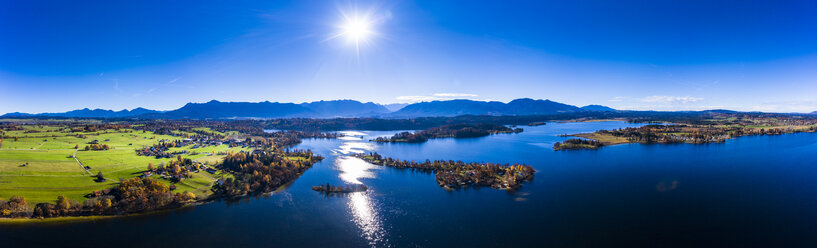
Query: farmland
point(41, 162)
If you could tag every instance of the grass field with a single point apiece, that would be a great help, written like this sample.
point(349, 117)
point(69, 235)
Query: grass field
point(606, 139)
point(40, 164)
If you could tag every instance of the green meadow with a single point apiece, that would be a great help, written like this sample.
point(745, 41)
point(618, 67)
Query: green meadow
point(40, 165)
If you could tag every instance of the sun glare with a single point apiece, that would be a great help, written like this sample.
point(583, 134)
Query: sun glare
point(356, 30)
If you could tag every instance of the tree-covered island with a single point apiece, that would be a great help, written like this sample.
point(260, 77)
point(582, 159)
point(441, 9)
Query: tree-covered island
point(449, 131)
point(455, 174)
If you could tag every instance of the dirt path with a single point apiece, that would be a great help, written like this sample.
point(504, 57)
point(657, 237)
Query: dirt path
point(80, 163)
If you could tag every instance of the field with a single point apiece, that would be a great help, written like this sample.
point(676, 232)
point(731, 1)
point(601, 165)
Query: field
point(605, 139)
point(38, 162)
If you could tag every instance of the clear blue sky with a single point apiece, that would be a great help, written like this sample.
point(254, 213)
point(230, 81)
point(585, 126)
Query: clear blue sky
point(662, 55)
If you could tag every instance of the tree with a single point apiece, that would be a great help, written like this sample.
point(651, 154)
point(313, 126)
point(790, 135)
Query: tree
point(176, 169)
point(62, 204)
point(99, 176)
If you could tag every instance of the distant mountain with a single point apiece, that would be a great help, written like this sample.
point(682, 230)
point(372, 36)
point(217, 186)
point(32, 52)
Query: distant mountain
point(527, 106)
point(523, 106)
point(599, 108)
point(450, 108)
point(345, 108)
point(814, 113)
point(395, 106)
point(89, 113)
point(320, 109)
point(216, 109)
point(330, 109)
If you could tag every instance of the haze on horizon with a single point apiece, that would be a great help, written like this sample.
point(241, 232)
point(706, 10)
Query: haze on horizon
point(640, 55)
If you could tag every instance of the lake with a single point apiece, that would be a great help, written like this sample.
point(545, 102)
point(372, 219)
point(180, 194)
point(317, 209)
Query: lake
point(756, 191)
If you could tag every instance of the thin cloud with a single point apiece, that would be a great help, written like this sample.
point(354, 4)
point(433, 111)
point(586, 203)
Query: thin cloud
point(618, 99)
point(116, 85)
point(671, 99)
point(173, 81)
point(418, 98)
point(454, 95)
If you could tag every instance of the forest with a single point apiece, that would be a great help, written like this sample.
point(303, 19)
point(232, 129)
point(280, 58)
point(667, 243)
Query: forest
point(263, 170)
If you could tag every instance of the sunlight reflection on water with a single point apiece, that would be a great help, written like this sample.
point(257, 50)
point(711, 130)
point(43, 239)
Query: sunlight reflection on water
point(367, 218)
point(354, 147)
point(353, 169)
point(363, 210)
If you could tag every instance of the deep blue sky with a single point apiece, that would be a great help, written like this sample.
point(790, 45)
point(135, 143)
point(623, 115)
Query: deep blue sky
point(663, 55)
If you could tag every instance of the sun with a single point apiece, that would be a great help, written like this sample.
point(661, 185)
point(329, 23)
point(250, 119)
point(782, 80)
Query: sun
point(356, 30)
point(359, 29)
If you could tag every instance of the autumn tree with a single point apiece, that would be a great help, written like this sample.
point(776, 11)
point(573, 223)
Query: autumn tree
point(63, 205)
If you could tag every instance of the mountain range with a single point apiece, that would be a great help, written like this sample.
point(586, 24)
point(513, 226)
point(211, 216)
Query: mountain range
point(330, 109)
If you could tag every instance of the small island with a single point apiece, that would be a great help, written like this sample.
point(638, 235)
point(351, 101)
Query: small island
point(330, 189)
point(449, 131)
point(455, 174)
point(577, 144)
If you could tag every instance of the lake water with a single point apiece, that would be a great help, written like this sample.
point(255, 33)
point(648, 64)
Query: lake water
point(758, 191)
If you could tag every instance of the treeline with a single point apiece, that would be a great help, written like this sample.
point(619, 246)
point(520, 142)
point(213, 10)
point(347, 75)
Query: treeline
point(130, 196)
point(575, 144)
point(455, 174)
point(96, 127)
point(454, 131)
point(337, 124)
point(97, 147)
point(263, 170)
point(668, 134)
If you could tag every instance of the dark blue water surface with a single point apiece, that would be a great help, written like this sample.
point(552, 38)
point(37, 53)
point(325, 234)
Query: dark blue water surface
point(758, 191)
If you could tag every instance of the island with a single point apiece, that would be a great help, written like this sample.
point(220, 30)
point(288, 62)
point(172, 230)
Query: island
point(331, 189)
point(455, 174)
point(577, 144)
point(449, 131)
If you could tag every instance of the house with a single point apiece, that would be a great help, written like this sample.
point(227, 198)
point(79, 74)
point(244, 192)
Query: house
point(146, 174)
